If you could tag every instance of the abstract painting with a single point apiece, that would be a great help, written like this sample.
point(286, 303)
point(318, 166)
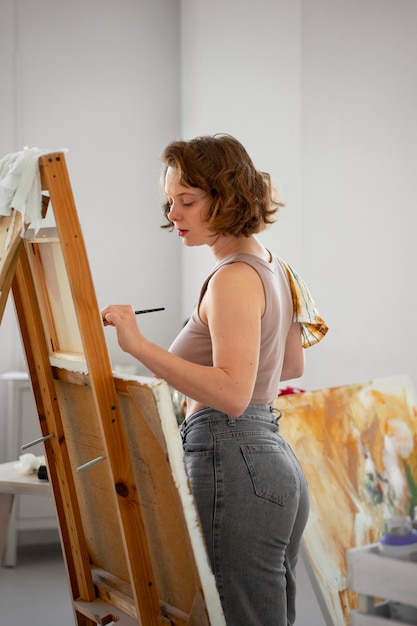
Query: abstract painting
point(358, 448)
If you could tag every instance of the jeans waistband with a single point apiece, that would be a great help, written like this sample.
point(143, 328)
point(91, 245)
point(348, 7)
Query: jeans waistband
point(257, 412)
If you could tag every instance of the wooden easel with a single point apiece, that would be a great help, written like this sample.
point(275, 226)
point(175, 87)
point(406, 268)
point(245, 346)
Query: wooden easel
point(129, 529)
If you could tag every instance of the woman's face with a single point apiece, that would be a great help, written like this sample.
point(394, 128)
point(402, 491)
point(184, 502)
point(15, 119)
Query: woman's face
point(189, 207)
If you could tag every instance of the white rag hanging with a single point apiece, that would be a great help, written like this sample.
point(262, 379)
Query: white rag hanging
point(20, 186)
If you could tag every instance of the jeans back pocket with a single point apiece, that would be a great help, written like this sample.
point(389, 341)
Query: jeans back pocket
point(272, 471)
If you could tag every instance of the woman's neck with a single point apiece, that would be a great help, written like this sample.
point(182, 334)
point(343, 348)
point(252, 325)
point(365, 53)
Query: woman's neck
point(225, 246)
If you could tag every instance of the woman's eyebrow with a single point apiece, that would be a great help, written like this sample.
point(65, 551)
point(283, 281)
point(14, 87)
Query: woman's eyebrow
point(183, 193)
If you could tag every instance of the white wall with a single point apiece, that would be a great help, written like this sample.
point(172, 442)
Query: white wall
point(359, 163)
point(101, 79)
point(323, 95)
point(240, 71)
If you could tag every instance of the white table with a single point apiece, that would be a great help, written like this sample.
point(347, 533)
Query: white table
point(379, 579)
point(13, 482)
point(19, 425)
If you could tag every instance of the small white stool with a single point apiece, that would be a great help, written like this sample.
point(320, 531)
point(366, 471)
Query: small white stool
point(14, 482)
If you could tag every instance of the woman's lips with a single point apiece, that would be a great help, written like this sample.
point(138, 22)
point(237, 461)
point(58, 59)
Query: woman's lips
point(181, 232)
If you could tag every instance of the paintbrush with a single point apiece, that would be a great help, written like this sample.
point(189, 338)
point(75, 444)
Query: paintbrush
point(149, 310)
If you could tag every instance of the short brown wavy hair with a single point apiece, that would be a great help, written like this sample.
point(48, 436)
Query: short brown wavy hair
point(244, 200)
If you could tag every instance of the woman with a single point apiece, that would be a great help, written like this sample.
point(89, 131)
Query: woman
point(242, 339)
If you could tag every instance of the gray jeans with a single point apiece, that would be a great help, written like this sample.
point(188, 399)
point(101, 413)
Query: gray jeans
point(253, 504)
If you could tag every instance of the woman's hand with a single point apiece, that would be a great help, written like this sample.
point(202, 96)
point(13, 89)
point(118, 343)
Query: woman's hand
point(122, 317)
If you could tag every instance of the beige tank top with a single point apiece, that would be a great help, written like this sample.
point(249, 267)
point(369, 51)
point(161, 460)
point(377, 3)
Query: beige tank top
point(194, 341)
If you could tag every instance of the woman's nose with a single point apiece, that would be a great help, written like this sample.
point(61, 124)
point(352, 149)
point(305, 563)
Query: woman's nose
point(173, 213)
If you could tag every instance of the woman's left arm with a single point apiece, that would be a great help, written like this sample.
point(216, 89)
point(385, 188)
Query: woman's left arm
point(232, 307)
point(293, 365)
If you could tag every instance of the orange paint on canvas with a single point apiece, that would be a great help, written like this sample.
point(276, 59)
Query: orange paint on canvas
point(358, 447)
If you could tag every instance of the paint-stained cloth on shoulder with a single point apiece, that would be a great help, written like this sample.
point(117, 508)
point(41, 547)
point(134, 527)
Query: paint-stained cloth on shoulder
point(313, 327)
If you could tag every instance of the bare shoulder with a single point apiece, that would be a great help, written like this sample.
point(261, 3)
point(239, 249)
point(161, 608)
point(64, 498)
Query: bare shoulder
point(234, 286)
point(232, 272)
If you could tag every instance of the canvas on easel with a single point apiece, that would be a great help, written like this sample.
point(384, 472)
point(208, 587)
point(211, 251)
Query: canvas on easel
point(129, 528)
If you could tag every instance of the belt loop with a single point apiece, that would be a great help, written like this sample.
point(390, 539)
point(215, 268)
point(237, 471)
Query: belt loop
point(277, 413)
point(231, 421)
